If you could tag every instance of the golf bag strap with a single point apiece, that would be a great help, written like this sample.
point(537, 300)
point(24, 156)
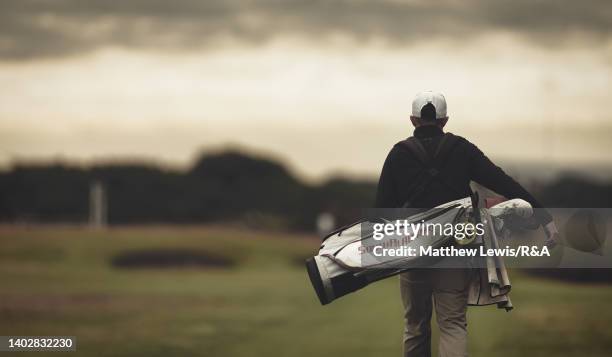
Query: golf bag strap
point(432, 165)
point(418, 149)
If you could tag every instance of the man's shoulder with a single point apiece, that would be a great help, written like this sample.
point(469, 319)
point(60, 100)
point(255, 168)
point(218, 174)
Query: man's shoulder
point(462, 141)
point(459, 138)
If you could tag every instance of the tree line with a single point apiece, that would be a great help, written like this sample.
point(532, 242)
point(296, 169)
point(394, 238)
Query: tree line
point(222, 187)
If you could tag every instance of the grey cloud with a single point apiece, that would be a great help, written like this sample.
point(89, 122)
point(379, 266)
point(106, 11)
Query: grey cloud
point(31, 29)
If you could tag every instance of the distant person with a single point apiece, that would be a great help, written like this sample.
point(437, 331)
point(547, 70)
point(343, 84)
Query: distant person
point(453, 163)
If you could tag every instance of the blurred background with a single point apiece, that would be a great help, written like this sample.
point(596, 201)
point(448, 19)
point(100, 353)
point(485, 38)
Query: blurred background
point(165, 167)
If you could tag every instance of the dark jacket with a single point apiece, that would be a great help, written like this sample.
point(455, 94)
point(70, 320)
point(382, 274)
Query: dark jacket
point(465, 163)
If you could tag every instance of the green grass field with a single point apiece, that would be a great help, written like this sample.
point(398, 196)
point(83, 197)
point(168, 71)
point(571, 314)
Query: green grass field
point(60, 281)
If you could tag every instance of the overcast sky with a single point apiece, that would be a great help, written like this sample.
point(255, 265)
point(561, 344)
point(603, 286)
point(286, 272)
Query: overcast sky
point(307, 81)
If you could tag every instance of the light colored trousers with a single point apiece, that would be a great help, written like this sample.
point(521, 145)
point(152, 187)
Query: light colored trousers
point(449, 290)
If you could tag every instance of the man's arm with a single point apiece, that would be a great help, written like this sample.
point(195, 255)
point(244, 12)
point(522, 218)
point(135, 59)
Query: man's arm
point(386, 194)
point(486, 173)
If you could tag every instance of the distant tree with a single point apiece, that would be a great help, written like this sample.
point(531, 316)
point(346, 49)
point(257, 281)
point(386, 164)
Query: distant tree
point(44, 193)
point(230, 184)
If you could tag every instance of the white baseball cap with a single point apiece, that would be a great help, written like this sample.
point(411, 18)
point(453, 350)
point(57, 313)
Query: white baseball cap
point(424, 98)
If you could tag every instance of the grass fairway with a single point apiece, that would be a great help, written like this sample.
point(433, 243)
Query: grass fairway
point(60, 281)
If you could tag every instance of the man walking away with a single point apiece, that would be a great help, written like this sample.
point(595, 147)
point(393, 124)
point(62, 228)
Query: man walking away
point(454, 162)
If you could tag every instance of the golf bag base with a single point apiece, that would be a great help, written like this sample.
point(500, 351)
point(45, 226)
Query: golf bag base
point(334, 287)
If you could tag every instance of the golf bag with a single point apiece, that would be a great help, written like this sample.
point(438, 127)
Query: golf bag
point(340, 267)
